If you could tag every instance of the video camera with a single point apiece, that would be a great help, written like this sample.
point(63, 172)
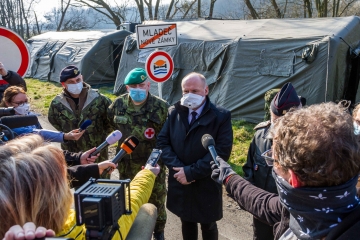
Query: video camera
point(99, 204)
point(9, 111)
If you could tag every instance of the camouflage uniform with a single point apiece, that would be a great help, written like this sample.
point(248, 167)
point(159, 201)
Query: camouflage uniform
point(148, 120)
point(269, 95)
point(65, 119)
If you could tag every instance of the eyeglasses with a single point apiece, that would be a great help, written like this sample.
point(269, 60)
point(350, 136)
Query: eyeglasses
point(267, 155)
point(22, 103)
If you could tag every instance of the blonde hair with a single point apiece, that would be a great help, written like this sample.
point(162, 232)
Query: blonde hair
point(33, 184)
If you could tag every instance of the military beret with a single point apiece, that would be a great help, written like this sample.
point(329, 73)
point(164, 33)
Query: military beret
point(135, 76)
point(69, 72)
point(284, 100)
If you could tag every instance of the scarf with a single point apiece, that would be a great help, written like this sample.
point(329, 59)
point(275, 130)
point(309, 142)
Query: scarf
point(315, 211)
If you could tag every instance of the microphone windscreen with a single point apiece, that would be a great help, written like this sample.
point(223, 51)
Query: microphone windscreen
point(114, 137)
point(207, 140)
point(85, 124)
point(17, 121)
point(130, 144)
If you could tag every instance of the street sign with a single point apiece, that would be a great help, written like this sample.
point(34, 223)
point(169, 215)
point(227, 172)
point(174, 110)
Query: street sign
point(154, 36)
point(14, 53)
point(159, 66)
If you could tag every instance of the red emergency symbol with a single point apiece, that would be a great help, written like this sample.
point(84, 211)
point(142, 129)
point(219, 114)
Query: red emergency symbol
point(149, 133)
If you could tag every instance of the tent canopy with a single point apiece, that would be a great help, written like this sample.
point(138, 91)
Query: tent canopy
point(241, 60)
point(91, 51)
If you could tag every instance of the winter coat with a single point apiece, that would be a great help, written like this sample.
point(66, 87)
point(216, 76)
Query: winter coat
point(65, 119)
point(255, 169)
point(200, 201)
point(266, 207)
point(11, 79)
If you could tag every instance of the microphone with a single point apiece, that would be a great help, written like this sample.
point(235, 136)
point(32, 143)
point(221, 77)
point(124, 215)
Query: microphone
point(127, 147)
point(85, 124)
point(111, 139)
point(208, 143)
point(17, 121)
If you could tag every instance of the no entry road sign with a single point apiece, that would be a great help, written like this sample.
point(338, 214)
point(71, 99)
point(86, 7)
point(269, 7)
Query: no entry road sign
point(154, 36)
point(14, 53)
point(159, 66)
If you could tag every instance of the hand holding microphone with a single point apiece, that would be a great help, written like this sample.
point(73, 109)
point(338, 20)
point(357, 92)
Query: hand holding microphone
point(111, 139)
point(85, 125)
point(127, 147)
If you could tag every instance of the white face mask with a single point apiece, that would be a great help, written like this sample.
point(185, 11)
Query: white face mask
point(191, 100)
point(23, 109)
point(356, 129)
point(75, 88)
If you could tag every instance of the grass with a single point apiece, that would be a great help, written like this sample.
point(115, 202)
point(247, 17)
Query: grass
point(42, 92)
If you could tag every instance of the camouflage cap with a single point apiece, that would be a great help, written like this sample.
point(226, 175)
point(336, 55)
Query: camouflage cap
point(284, 100)
point(135, 76)
point(69, 72)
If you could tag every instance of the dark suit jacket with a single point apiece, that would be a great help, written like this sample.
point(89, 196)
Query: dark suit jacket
point(200, 201)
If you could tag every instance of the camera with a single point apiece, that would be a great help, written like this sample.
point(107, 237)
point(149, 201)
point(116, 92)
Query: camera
point(99, 204)
point(154, 157)
point(6, 111)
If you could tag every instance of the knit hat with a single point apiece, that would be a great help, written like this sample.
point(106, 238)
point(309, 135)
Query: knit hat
point(135, 76)
point(284, 100)
point(69, 72)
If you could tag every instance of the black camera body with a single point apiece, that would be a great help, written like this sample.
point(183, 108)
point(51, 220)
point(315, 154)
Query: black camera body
point(100, 203)
point(9, 111)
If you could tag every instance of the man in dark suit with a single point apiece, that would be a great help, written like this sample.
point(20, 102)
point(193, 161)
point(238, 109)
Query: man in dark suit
point(192, 195)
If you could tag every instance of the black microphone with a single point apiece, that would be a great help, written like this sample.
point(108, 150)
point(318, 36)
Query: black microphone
point(208, 143)
point(111, 139)
point(17, 121)
point(85, 124)
point(127, 147)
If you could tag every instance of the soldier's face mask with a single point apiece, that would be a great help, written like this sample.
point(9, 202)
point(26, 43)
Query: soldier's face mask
point(137, 94)
point(74, 88)
point(191, 100)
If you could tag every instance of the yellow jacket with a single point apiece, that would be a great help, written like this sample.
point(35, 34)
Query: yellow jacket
point(140, 190)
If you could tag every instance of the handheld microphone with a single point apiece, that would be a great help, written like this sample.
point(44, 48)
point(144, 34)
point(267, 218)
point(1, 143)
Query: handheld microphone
point(127, 147)
point(208, 143)
point(111, 139)
point(17, 121)
point(85, 124)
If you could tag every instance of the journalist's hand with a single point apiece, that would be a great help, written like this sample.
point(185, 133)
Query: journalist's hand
point(28, 231)
point(219, 174)
point(3, 71)
point(85, 159)
point(73, 135)
point(104, 165)
point(155, 170)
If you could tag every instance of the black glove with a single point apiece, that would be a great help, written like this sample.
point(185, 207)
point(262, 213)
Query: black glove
point(219, 174)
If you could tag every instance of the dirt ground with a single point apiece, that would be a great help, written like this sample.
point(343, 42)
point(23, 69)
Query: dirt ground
point(235, 224)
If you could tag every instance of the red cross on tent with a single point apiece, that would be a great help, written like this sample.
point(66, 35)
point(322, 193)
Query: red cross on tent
point(149, 133)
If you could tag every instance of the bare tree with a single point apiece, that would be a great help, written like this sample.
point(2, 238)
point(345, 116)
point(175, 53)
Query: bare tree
point(253, 12)
point(63, 8)
point(140, 5)
point(116, 14)
point(276, 8)
point(212, 3)
point(199, 9)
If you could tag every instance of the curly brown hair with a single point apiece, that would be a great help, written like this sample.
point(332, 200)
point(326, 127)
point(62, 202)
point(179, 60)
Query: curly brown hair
point(10, 93)
point(318, 143)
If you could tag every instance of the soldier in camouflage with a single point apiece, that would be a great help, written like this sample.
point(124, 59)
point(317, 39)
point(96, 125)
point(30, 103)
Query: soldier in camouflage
point(76, 103)
point(256, 170)
point(142, 115)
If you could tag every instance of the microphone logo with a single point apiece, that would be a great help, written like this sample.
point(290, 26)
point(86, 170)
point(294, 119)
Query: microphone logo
point(132, 143)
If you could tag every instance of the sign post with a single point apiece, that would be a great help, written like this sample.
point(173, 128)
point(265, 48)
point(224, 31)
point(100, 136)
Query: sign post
point(159, 65)
point(14, 53)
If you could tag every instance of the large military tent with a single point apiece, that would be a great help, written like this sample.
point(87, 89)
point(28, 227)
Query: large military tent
point(241, 60)
point(94, 52)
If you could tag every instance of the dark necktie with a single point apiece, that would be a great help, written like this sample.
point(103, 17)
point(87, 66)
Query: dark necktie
point(193, 118)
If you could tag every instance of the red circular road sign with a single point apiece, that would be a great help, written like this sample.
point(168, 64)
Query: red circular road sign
point(14, 53)
point(159, 66)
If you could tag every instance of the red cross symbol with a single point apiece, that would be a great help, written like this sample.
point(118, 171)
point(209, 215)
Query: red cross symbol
point(149, 133)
